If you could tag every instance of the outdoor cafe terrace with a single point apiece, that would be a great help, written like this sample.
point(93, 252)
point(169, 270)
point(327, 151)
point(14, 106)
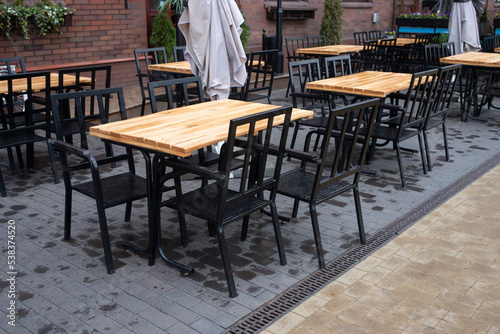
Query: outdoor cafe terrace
point(62, 286)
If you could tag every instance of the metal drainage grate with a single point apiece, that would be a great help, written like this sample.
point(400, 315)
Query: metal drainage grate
point(280, 305)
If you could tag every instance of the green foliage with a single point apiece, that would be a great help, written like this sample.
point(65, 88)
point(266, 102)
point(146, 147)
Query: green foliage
point(484, 17)
point(443, 38)
point(163, 35)
point(177, 5)
point(44, 14)
point(245, 35)
point(331, 25)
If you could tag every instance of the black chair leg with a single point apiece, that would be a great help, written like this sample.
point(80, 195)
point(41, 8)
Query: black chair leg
point(67, 214)
point(422, 153)
point(143, 106)
point(128, 211)
point(2, 186)
point(359, 215)
point(106, 245)
point(317, 236)
point(400, 163)
point(295, 209)
point(225, 262)
point(277, 233)
point(244, 228)
point(445, 138)
point(11, 158)
point(52, 158)
point(427, 151)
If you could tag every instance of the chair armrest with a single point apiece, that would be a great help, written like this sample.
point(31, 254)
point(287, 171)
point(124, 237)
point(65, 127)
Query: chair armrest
point(189, 167)
point(71, 149)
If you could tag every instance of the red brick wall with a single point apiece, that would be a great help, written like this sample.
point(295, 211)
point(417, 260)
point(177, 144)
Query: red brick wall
point(101, 29)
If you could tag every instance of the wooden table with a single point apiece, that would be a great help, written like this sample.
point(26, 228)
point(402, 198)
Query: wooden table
point(20, 85)
point(179, 132)
point(472, 62)
point(401, 41)
point(368, 83)
point(496, 50)
point(330, 50)
point(183, 130)
point(179, 67)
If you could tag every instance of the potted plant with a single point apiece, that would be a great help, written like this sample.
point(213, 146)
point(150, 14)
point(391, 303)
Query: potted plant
point(428, 19)
point(41, 16)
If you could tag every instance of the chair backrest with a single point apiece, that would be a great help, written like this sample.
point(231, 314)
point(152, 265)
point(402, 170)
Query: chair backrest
point(179, 53)
point(148, 56)
point(447, 80)
point(490, 43)
point(255, 155)
point(346, 161)
point(338, 66)
point(24, 120)
point(448, 49)
point(418, 100)
point(318, 40)
point(260, 74)
point(374, 35)
point(292, 44)
point(68, 109)
point(178, 92)
point(306, 71)
point(12, 65)
point(432, 55)
point(360, 37)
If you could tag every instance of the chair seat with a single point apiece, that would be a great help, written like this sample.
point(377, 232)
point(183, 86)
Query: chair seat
point(318, 122)
point(298, 184)
point(11, 139)
point(391, 133)
point(117, 189)
point(209, 197)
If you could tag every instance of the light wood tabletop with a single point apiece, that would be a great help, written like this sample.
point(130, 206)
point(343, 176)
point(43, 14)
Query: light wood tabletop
point(330, 50)
point(186, 129)
point(368, 83)
point(482, 59)
point(179, 67)
point(496, 50)
point(19, 85)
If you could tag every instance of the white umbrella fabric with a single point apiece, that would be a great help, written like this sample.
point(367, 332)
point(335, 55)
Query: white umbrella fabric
point(213, 46)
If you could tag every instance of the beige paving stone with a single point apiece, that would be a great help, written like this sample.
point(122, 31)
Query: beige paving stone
point(376, 275)
point(475, 255)
point(462, 298)
point(332, 290)
point(316, 321)
point(338, 304)
point(467, 322)
point(480, 276)
point(431, 267)
point(415, 231)
point(388, 295)
point(390, 282)
point(474, 241)
point(451, 246)
point(409, 250)
point(393, 262)
point(351, 276)
point(415, 328)
point(400, 241)
point(413, 293)
point(494, 330)
point(425, 308)
point(375, 326)
point(453, 306)
point(388, 318)
point(342, 326)
point(358, 289)
point(442, 231)
point(490, 307)
point(285, 324)
point(415, 316)
point(369, 263)
point(311, 305)
point(484, 269)
point(424, 286)
point(447, 282)
point(298, 330)
point(385, 252)
point(379, 303)
point(355, 312)
point(448, 327)
point(466, 226)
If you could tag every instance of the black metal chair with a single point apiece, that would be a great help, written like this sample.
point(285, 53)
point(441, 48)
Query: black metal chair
point(307, 71)
point(12, 65)
point(292, 44)
point(107, 191)
point(318, 40)
point(336, 170)
point(448, 77)
point(407, 120)
point(374, 35)
point(360, 37)
point(147, 57)
point(432, 56)
point(448, 49)
point(260, 76)
point(221, 201)
point(179, 53)
point(18, 127)
point(176, 92)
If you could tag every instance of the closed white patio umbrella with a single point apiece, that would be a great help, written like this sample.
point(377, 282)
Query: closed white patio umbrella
point(213, 46)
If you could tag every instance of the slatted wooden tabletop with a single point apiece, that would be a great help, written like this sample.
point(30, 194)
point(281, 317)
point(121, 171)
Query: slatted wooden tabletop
point(183, 130)
point(330, 50)
point(482, 59)
point(368, 83)
point(403, 41)
point(497, 50)
point(180, 67)
point(20, 85)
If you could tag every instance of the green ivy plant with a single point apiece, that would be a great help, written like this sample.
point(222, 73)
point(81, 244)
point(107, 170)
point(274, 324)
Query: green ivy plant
point(331, 24)
point(44, 14)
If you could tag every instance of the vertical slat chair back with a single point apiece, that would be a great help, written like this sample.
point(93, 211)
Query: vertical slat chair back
point(178, 92)
point(338, 66)
point(448, 49)
point(306, 71)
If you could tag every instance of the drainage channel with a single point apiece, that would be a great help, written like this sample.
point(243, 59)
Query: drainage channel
point(289, 299)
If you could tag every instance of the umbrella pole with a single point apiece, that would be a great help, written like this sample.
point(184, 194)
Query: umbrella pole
point(279, 37)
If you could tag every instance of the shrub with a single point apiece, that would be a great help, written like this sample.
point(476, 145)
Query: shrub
point(331, 24)
point(163, 35)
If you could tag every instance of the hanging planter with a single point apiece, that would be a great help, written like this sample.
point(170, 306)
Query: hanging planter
point(37, 19)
